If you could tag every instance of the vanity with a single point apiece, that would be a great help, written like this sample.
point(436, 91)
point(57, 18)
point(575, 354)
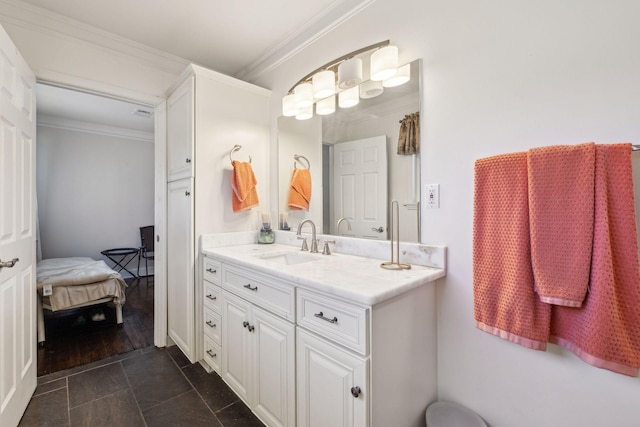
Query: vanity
point(320, 340)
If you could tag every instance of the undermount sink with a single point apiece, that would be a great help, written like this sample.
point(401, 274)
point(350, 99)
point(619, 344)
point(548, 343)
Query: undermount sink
point(289, 258)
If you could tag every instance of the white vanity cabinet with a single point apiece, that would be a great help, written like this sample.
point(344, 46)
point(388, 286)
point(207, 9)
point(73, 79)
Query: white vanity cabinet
point(356, 350)
point(258, 359)
point(208, 113)
point(363, 365)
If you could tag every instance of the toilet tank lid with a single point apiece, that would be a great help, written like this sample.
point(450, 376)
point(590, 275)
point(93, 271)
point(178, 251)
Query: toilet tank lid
point(445, 414)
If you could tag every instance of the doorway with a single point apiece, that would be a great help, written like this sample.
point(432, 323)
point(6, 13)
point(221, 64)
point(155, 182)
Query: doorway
point(95, 187)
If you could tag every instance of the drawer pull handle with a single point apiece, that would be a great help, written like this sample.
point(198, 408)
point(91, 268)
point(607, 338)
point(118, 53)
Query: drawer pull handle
point(211, 297)
point(211, 324)
point(248, 286)
point(211, 270)
point(251, 328)
point(245, 324)
point(355, 391)
point(211, 353)
point(321, 316)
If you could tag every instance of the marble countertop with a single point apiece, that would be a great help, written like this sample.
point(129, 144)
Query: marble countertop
point(353, 278)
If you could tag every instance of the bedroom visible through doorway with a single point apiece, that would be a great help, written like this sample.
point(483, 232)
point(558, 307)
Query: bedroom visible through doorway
point(95, 189)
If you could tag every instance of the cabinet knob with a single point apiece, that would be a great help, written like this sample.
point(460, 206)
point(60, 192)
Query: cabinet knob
point(188, 160)
point(251, 328)
point(187, 193)
point(211, 297)
point(245, 324)
point(355, 391)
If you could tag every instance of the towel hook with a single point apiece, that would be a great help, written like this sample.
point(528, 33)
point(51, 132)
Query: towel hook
point(297, 157)
point(233, 150)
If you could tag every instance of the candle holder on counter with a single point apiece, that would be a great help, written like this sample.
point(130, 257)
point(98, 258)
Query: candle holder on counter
point(266, 234)
point(284, 221)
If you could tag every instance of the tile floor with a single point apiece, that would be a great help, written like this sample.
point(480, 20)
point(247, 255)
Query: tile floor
point(146, 387)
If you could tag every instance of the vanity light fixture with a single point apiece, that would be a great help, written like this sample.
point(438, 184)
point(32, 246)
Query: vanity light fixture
point(344, 77)
point(349, 97)
point(350, 73)
point(326, 106)
point(324, 84)
point(289, 108)
point(384, 63)
point(305, 113)
point(401, 77)
point(371, 89)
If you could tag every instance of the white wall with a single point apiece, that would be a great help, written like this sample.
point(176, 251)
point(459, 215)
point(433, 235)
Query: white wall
point(94, 191)
point(502, 76)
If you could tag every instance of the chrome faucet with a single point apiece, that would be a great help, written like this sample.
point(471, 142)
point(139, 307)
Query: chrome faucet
point(314, 242)
point(339, 222)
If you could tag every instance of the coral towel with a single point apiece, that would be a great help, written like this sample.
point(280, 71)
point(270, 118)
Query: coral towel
point(605, 332)
point(561, 188)
point(243, 182)
point(300, 190)
point(505, 303)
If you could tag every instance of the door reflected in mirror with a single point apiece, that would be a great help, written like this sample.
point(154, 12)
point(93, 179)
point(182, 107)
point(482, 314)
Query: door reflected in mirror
point(355, 170)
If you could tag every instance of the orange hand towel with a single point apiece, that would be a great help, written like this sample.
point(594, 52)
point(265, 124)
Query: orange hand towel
point(561, 189)
point(504, 301)
point(605, 331)
point(243, 182)
point(300, 190)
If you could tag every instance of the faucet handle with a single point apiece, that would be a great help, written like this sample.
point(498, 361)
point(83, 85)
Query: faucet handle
point(325, 248)
point(304, 247)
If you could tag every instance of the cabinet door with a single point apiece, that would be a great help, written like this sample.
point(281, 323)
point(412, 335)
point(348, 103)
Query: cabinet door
point(180, 266)
point(236, 368)
point(274, 385)
point(180, 133)
point(327, 377)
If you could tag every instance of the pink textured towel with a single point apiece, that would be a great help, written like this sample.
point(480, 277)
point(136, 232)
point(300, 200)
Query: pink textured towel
point(561, 189)
point(605, 332)
point(504, 300)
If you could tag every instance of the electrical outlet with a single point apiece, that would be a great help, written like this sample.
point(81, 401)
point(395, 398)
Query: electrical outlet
point(433, 195)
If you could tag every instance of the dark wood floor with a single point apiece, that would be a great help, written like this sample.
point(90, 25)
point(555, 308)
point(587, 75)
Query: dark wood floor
point(71, 342)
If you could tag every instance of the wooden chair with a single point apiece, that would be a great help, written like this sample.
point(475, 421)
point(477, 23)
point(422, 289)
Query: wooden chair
point(147, 239)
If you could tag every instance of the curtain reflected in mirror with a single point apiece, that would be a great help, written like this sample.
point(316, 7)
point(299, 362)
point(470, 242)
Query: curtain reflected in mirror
point(359, 160)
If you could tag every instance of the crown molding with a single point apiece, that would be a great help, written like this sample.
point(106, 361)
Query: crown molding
point(51, 24)
point(94, 128)
point(314, 30)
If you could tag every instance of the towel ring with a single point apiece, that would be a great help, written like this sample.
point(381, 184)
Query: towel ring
point(297, 157)
point(233, 150)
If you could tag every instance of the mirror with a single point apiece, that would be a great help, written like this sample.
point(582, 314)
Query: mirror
point(368, 130)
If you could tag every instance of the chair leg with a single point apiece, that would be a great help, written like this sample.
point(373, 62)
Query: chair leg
point(146, 270)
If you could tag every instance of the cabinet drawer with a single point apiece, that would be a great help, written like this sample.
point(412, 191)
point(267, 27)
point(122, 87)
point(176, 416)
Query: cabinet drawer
point(212, 296)
point(267, 293)
point(211, 270)
point(212, 325)
point(337, 321)
point(212, 354)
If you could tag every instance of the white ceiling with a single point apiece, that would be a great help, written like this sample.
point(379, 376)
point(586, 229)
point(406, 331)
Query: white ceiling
point(229, 36)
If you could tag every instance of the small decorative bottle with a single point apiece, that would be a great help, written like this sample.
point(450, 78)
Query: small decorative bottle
point(266, 234)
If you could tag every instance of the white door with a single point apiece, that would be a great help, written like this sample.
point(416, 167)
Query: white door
point(332, 384)
point(360, 187)
point(180, 266)
point(236, 360)
point(275, 383)
point(180, 131)
point(17, 233)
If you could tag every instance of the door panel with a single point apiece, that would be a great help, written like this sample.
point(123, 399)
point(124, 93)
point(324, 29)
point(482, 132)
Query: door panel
point(17, 236)
point(360, 187)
